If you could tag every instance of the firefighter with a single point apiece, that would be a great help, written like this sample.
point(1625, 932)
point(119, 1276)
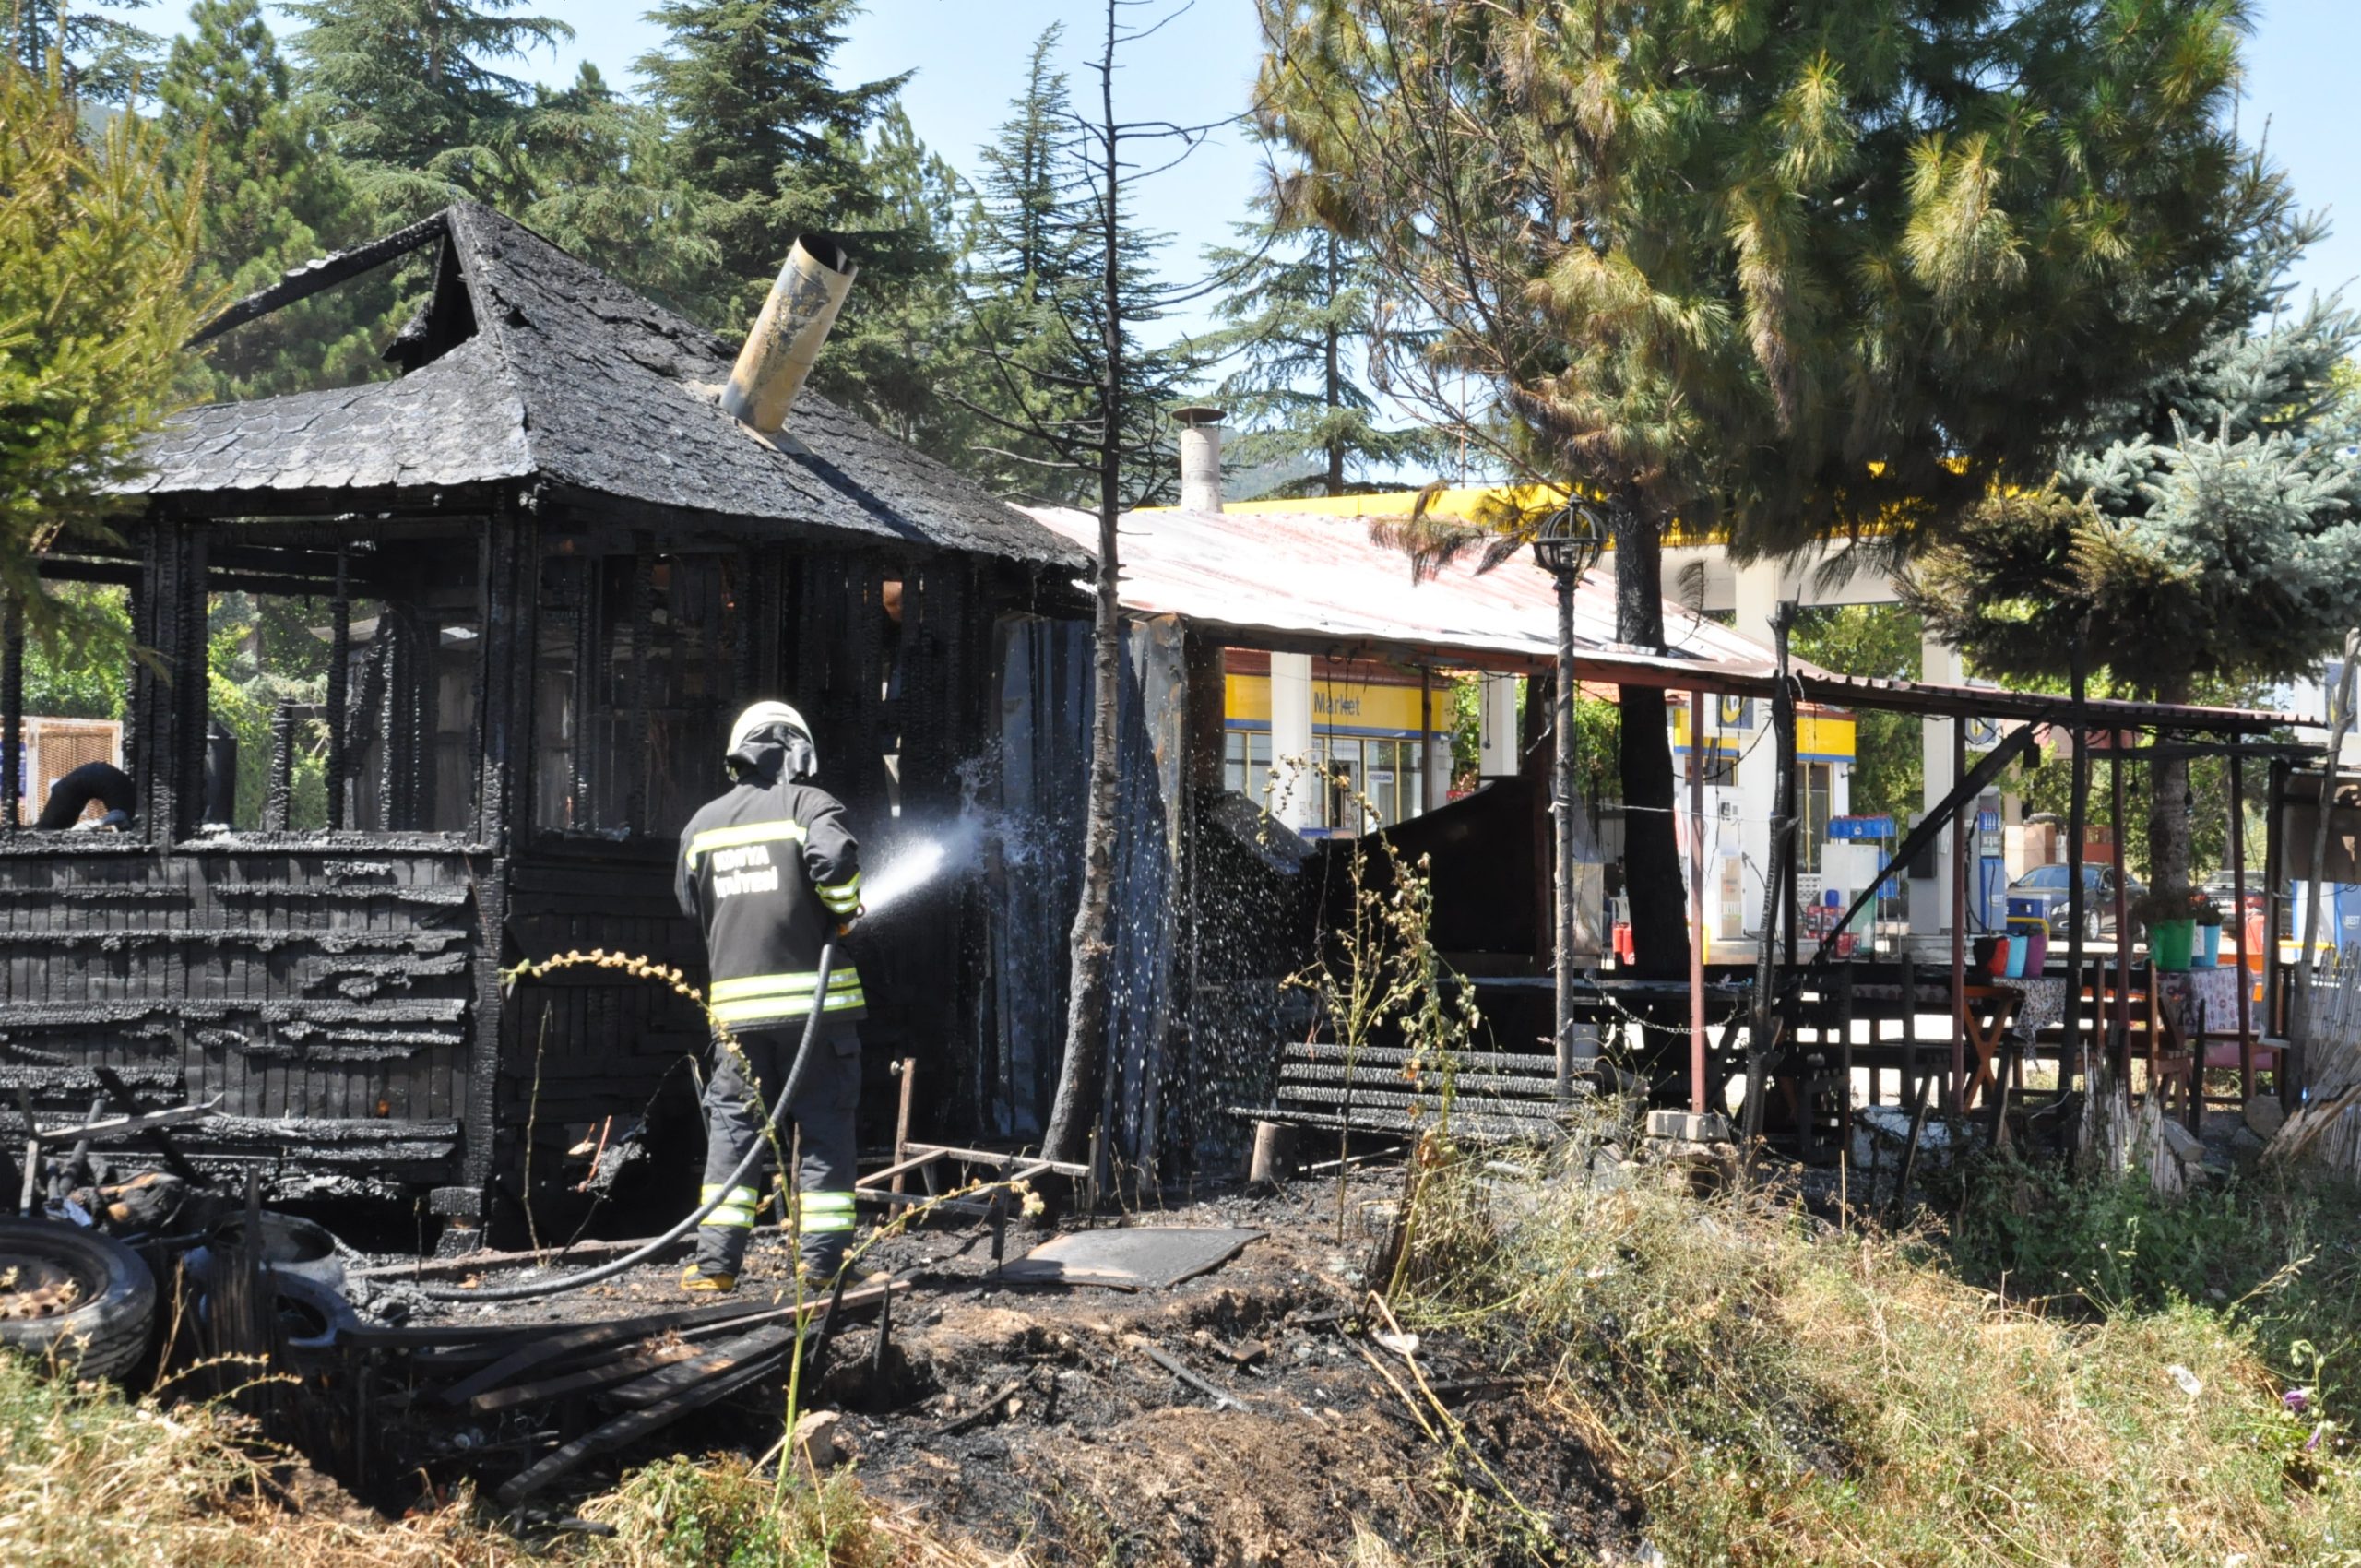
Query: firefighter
point(769, 870)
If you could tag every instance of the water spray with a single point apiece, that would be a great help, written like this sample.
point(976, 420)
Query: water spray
point(917, 862)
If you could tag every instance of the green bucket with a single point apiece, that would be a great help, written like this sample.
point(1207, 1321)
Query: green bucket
point(2169, 943)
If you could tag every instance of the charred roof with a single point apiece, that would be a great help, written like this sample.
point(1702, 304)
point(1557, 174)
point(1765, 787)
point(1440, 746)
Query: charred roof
point(527, 363)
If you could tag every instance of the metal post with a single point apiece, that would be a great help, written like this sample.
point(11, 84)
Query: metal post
point(2239, 922)
point(1777, 905)
point(1697, 902)
point(1955, 1095)
point(2077, 807)
point(2274, 901)
point(1561, 718)
point(2122, 1040)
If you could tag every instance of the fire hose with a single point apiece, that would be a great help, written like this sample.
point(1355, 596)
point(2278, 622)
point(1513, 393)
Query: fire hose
point(629, 1260)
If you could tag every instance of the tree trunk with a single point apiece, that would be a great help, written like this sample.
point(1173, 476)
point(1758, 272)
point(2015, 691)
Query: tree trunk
point(1334, 391)
point(2168, 823)
point(1083, 1073)
point(1651, 850)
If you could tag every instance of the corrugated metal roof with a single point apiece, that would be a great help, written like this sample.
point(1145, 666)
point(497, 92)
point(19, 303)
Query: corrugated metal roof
point(1304, 578)
point(1315, 582)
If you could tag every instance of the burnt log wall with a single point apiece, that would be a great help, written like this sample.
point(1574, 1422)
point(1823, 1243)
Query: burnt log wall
point(324, 992)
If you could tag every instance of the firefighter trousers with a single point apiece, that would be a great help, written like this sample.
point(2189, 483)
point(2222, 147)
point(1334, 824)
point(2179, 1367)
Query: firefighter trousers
point(821, 1116)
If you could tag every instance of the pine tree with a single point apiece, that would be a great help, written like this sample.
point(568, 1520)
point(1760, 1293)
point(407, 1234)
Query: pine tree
point(275, 196)
point(904, 345)
point(1303, 310)
point(763, 146)
point(95, 248)
point(411, 96)
point(2208, 533)
point(600, 177)
point(1038, 310)
point(100, 58)
point(1783, 271)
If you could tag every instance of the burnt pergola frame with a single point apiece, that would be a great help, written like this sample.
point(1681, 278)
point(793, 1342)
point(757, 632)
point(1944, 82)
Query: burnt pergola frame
point(2240, 735)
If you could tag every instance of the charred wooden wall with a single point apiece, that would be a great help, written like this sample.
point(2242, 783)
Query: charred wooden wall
point(344, 992)
point(323, 991)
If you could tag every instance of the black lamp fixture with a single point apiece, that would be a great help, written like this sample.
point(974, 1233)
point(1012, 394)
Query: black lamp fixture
point(1571, 541)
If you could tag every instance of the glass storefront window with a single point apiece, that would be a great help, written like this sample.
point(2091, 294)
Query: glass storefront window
point(1347, 773)
point(1391, 774)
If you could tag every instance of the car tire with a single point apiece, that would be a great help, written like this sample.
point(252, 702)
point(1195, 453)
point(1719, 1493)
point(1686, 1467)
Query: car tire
point(312, 1312)
point(74, 1296)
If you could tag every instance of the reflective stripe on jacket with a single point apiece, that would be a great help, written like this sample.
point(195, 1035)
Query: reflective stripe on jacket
point(768, 871)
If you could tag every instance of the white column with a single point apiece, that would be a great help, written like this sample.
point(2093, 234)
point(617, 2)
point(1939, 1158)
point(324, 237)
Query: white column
point(1496, 727)
point(1757, 589)
point(1438, 753)
point(1930, 901)
point(1296, 797)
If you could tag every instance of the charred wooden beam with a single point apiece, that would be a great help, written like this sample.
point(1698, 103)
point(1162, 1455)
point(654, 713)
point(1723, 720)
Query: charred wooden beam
point(643, 634)
point(339, 658)
point(169, 705)
point(626, 1428)
point(12, 710)
point(587, 645)
point(326, 272)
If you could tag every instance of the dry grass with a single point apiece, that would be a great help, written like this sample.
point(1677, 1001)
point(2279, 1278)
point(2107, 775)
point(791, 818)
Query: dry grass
point(1778, 1393)
point(88, 1480)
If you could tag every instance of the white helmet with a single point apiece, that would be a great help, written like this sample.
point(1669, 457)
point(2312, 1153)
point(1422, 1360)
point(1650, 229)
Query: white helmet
point(767, 715)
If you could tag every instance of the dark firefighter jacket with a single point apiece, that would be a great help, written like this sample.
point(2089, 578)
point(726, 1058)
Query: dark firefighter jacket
point(769, 870)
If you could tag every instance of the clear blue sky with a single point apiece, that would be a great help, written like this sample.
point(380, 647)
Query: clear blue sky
point(969, 54)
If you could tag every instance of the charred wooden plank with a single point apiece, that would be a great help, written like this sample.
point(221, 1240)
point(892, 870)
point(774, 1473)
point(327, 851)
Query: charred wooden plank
point(628, 1365)
point(613, 1331)
point(624, 1428)
point(325, 272)
point(766, 1343)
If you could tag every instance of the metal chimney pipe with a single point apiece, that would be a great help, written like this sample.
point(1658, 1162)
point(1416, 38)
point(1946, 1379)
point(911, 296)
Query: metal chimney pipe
point(787, 337)
point(1200, 457)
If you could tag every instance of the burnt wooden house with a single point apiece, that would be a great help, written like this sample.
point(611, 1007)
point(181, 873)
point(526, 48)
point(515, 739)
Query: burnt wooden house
point(551, 570)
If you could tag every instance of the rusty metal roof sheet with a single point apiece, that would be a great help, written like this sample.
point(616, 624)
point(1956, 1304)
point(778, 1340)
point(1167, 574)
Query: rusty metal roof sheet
point(1316, 581)
point(1313, 582)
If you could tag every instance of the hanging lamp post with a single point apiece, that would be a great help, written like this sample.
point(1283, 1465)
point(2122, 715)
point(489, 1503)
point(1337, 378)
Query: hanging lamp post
point(1569, 544)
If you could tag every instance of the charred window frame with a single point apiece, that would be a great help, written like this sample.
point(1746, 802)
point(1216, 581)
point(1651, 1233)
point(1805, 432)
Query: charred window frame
point(210, 713)
point(642, 657)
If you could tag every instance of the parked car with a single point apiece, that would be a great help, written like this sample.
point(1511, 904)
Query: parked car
point(2052, 885)
point(2223, 890)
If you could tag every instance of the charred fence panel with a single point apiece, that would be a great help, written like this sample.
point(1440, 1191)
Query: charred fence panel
point(323, 994)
